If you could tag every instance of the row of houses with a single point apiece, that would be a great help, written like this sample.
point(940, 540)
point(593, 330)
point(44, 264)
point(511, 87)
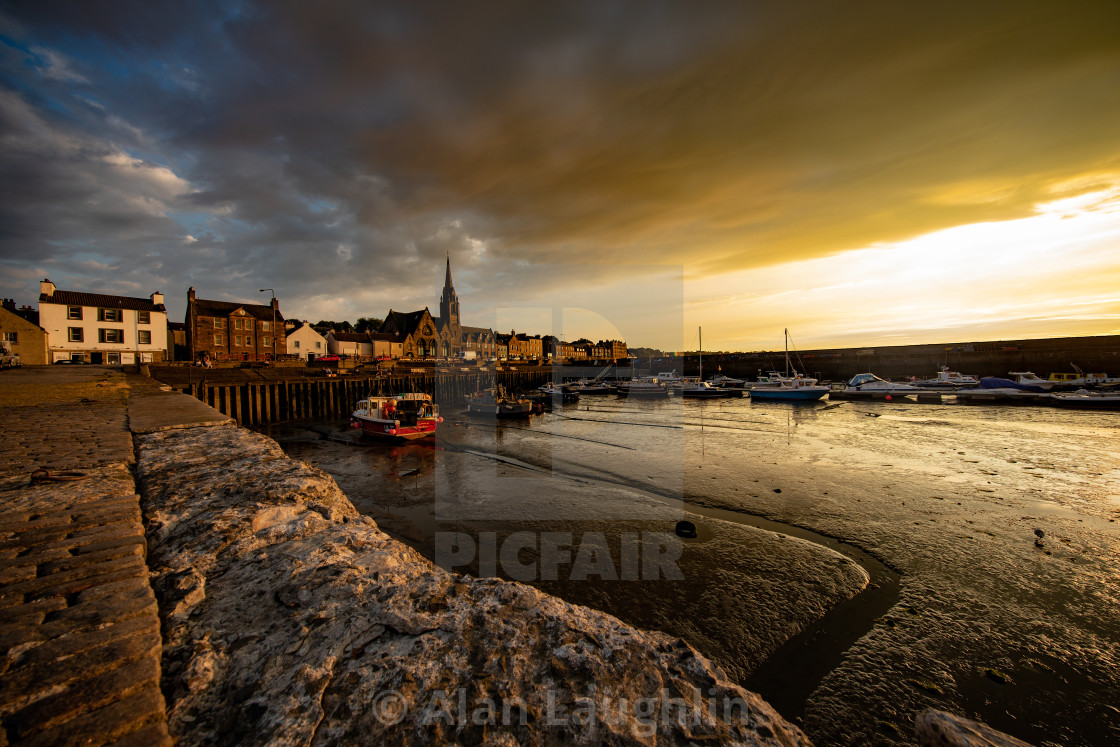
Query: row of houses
point(123, 330)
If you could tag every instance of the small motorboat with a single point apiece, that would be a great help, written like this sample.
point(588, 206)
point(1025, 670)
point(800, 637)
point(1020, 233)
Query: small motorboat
point(947, 379)
point(869, 382)
point(1029, 382)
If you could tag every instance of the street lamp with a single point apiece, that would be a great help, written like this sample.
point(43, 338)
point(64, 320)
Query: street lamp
point(273, 337)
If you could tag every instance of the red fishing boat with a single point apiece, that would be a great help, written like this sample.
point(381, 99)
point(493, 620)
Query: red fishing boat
point(399, 416)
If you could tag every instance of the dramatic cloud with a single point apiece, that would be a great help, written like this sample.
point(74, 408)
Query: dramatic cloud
point(338, 151)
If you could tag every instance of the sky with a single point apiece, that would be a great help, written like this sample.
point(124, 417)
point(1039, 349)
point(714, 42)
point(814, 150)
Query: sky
point(861, 173)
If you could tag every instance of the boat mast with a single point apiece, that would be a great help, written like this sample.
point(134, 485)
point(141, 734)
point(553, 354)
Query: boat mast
point(700, 333)
point(785, 333)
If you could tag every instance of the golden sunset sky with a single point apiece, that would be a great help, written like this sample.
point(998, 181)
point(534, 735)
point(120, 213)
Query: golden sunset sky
point(863, 173)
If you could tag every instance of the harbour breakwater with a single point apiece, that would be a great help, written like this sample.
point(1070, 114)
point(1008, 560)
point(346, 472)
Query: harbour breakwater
point(992, 358)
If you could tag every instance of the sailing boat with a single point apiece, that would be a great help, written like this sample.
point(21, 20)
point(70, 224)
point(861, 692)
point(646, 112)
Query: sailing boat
point(796, 387)
point(701, 388)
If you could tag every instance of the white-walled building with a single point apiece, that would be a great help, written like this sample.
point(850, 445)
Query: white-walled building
point(353, 344)
point(99, 328)
point(305, 342)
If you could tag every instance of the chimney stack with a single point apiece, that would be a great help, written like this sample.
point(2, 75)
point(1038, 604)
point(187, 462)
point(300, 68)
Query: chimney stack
point(157, 298)
point(46, 288)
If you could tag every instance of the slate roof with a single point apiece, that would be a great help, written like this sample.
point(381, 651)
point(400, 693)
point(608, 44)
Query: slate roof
point(100, 300)
point(225, 308)
point(402, 323)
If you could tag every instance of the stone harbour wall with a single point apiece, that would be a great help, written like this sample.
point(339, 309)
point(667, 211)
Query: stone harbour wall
point(288, 618)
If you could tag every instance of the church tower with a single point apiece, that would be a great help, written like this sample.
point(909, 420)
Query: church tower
point(449, 303)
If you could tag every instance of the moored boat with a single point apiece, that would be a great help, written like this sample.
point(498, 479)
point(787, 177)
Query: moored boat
point(642, 386)
point(495, 403)
point(947, 379)
point(399, 416)
point(1084, 399)
point(1028, 381)
point(869, 382)
point(789, 388)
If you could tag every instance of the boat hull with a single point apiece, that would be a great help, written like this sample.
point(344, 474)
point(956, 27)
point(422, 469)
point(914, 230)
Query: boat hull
point(387, 429)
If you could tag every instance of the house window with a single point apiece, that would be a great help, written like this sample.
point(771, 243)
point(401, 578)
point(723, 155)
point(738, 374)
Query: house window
point(219, 339)
point(219, 324)
point(266, 342)
point(318, 346)
point(297, 345)
point(266, 326)
point(113, 359)
point(109, 315)
point(248, 341)
point(11, 337)
point(76, 334)
point(237, 323)
point(237, 341)
point(110, 335)
point(73, 312)
point(143, 317)
point(144, 336)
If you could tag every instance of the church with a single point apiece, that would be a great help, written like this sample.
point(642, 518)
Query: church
point(425, 336)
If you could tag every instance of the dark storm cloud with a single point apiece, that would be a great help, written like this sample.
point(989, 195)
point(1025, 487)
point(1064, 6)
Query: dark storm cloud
point(333, 147)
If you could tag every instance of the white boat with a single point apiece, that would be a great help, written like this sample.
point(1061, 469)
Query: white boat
point(645, 387)
point(669, 377)
point(399, 416)
point(869, 382)
point(795, 388)
point(947, 379)
point(1029, 379)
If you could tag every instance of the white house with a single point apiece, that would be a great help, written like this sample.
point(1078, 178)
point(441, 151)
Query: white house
point(305, 342)
point(99, 328)
point(353, 344)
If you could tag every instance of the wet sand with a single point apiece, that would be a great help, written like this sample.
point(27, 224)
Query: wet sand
point(991, 621)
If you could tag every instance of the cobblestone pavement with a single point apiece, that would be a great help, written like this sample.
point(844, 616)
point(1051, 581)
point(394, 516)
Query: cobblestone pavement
point(79, 629)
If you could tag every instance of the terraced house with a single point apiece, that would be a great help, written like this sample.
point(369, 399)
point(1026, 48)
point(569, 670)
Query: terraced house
point(229, 330)
point(100, 328)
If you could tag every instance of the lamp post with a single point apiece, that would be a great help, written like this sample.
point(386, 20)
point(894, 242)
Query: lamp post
point(272, 357)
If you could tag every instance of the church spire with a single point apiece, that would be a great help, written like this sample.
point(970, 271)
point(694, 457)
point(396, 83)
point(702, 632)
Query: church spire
point(449, 302)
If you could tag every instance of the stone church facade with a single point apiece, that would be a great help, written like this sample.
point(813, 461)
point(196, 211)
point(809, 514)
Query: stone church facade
point(425, 336)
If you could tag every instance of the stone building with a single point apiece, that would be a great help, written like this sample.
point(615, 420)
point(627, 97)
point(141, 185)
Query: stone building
point(422, 335)
point(99, 328)
point(224, 330)
point(23, 337)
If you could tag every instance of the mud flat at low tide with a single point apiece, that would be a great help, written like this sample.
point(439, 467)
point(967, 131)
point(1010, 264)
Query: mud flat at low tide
point(1001, 526)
